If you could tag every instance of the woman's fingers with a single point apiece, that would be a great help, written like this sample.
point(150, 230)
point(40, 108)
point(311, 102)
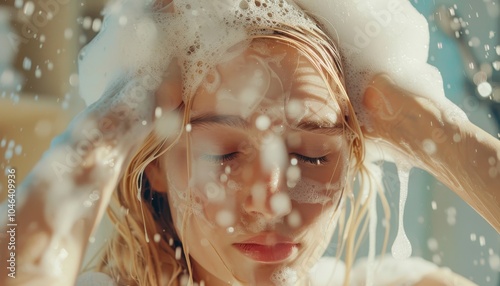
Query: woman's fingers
point(380, 99)
point(169, 93)
point(385, 103)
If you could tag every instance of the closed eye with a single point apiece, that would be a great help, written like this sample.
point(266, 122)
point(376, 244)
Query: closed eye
point(311, 160)
point(220, 158)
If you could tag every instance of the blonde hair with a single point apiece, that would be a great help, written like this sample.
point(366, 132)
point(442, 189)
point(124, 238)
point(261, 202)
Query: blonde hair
point(139, 213)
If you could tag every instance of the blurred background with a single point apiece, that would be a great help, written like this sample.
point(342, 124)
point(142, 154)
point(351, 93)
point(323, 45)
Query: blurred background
point(39, 45)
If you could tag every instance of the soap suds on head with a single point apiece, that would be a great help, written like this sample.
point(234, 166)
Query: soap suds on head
point(197, 33)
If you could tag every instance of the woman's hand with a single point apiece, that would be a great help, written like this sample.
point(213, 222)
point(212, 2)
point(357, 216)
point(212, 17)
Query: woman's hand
point(65, 195)
point(437, 139)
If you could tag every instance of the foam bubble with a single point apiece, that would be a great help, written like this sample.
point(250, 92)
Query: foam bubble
point(284, 276)
point(309, 192)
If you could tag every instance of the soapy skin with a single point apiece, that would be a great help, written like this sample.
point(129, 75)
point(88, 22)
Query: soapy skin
point(82, 167)
point(405, 120)
point(67, 192)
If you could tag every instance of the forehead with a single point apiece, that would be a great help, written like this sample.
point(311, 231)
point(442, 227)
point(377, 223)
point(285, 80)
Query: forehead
point(268, 76)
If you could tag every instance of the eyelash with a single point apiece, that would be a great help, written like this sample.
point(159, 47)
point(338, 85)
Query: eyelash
point(220, 158)
point(231, 156)
point(311, 160)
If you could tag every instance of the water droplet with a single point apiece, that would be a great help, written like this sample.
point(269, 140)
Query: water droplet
point(158, 112)
point(292, 175)
point(432, 244)
point(484, 89)
point(494, 261)
point(280, 204)
point(224, 218)
point(26, 63)
point(18, 4)
point(473, 237)
point(96, 25)
point(429, 146)
point(157, 237)
point(294, 220)
point(262, 122)
point(74, 80)
point(38, 72)
point(29, 8)
point(178, 253)
point(87, 23)
point(68, 33)
point(436, 258)
point(8, 154)
point(123, 20)
point(482, 241)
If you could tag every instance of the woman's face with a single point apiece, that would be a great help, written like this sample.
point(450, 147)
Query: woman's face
point(254, 181)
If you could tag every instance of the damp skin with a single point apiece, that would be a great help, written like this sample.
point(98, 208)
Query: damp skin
point(145, 26)
point(396, 22)
point(238, 161)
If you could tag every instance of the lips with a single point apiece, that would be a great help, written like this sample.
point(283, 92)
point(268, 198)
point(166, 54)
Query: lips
point(268, 248)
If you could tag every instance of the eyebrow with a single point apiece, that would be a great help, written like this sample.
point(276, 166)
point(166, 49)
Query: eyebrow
point(321, 127)
point(228, 120)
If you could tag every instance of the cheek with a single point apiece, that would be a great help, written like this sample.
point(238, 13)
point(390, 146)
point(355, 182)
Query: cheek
point(320, 185)
point(316, 221)
point(177, 168)
point(219, 201)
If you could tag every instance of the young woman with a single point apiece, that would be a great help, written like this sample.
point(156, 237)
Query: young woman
point(235, 167)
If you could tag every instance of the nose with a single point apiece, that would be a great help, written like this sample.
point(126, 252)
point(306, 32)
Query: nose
point(267, 196)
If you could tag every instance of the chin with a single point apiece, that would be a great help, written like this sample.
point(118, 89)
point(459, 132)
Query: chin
point(282, 274)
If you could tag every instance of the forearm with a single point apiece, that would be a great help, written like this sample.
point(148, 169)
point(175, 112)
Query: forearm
point(471, 167)
point(59, 204)
point(435, 137)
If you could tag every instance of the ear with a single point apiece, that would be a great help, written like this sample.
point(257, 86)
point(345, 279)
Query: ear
point(156, 177)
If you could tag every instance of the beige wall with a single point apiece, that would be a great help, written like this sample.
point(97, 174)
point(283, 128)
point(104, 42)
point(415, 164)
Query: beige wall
point(50, 35)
